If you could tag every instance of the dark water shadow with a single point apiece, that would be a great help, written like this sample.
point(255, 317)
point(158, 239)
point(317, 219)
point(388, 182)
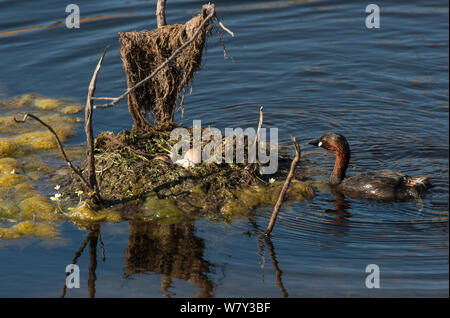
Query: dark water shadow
point(341, 207)
point(172, 251)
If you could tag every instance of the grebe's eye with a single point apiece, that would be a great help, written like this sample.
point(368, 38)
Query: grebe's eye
point(319, 144)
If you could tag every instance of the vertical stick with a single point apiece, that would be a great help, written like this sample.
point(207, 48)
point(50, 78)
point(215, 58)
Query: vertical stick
point(258, 132)
point(284, 189)
point(161, 13)
point(92, 180)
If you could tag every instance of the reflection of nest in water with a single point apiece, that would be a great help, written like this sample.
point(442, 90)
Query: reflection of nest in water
point(169, 250)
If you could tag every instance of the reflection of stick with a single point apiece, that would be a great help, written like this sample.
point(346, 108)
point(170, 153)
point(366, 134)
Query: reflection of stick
point(261, 239)
point(278, 271)
point(159, 68)
point(92, 262)
point(284, 189)
point(92, 238)
point(161, 13)
point(74, 261)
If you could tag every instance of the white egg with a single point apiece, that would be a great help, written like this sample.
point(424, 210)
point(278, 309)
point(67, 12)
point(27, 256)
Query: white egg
point(185, 163)
point(194, 156)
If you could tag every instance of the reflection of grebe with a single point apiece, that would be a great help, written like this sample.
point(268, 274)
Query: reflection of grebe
point(379, 185)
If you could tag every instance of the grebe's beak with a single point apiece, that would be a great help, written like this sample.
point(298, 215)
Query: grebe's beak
point(316, 143)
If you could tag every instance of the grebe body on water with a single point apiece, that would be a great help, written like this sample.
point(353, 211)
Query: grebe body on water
point(386, 185)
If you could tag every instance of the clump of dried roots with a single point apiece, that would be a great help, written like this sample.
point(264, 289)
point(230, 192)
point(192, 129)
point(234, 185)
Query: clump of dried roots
point(142, 52)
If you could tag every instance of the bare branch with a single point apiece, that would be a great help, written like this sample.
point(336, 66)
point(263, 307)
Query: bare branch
point(284, 189)
point(88, 128)
point(258, 132)
point(224, 27)
point(60, 146)
point(161, 13)
point(252, 167)
point(102, 98)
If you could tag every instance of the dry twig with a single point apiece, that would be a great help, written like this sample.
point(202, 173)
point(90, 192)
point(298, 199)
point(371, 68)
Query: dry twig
point(252, 167)
point(258, 132)
point(88, 129)
point(284, 189)
point(161, 13)
point(60, 146)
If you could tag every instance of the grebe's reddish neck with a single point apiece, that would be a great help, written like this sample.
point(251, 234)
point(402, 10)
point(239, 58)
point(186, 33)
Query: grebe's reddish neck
point(338, 145)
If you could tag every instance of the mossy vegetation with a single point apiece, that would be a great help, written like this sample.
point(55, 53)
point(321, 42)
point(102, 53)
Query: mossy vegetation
point(18, 140)
point(71, 109)
point(25, 211)
point(133, 168)
point(84, 215)
point(45, 103)
point(7, 147)
point(137, 166)
point(28, 228)
point(18, 102)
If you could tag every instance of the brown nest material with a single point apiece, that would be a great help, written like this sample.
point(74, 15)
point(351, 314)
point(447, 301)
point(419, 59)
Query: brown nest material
point(142, 52)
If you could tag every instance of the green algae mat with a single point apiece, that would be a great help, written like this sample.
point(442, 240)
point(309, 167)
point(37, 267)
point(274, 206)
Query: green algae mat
point(136, 176)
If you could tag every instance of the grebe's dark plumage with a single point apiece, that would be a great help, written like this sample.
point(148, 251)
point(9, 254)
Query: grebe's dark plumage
point(384, 185)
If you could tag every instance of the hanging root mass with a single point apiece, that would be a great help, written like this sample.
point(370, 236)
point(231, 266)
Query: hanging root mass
point(143, 52)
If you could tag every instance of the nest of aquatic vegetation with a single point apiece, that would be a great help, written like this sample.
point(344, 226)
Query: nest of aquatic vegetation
point(132, 166)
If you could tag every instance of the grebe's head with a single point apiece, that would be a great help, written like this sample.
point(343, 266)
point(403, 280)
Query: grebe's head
point(333, 142)
point(337, 144)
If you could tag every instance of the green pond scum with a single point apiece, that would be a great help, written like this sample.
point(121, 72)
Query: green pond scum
point(25, 207)
point(134, 173)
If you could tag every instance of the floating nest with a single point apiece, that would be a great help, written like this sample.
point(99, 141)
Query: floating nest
point(136, 166)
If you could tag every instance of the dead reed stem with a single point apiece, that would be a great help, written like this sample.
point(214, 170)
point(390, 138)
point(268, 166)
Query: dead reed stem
point(161, 13)
point(88, 128)
point(284, 189)
point(258, 132)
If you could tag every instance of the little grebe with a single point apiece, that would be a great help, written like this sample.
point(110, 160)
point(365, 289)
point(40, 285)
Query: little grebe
point(386, 185)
